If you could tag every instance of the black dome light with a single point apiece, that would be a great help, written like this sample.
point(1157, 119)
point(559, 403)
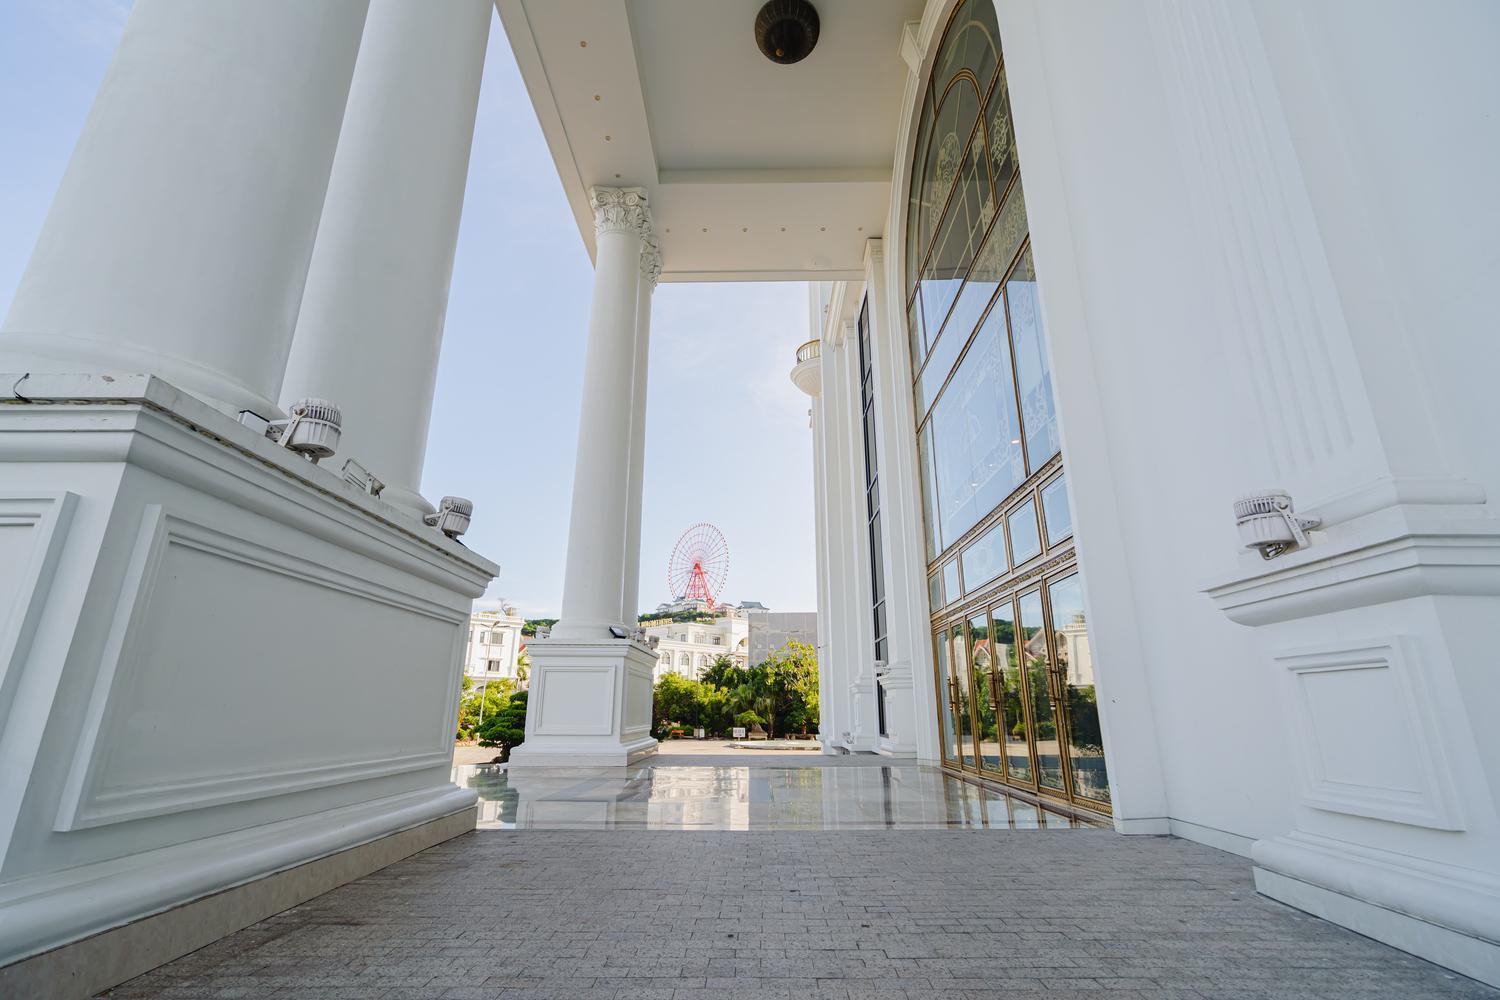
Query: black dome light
point(786, 30)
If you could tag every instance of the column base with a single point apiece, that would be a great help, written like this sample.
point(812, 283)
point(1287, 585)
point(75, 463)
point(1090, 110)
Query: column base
point(900, 739)
point(1442, 913)
point(189, 599)
point(590, 705)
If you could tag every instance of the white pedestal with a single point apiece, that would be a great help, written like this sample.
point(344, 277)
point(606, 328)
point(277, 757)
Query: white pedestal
point(900, 713)
point(217, 662)
point(1380, 638)
point(590, 705)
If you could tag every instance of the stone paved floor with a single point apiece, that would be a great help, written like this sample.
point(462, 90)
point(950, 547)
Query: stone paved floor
point(972, 913)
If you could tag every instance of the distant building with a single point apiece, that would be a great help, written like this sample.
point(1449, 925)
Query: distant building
point(770, 630)
point(688, 648)
point(494, 644)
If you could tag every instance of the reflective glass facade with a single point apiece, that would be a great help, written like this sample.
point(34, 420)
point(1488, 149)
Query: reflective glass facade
point(1015, 674)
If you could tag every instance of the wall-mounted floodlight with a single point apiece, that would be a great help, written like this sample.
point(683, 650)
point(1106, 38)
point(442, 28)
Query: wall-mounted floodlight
point(1269, 524)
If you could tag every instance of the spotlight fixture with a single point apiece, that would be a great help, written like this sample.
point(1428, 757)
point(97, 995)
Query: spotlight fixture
point(311, 430)
point(452, 516)
point(786, 30)
point(1269, 523)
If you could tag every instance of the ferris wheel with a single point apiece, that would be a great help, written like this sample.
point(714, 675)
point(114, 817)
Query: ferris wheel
point(699, 564)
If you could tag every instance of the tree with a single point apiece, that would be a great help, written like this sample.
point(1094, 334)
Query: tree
point(724, 674)
point(782, 692)
point(508, 728)
point(790, 688)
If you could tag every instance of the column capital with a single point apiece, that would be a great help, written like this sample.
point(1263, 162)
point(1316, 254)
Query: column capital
point(651, 261)
point(620, 210)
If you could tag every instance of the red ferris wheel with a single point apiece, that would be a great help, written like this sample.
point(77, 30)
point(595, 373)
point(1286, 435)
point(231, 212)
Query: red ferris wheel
point(699, 565)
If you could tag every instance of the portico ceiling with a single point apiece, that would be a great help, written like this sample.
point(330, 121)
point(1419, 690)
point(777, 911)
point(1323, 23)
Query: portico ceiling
point(755, 171)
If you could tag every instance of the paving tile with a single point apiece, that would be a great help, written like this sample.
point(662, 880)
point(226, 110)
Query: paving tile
point(810, 915)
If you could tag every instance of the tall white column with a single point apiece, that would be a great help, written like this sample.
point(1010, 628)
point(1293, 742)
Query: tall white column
point(631, 584)
point(377, 289)
point(180, 235)
point(593, 585)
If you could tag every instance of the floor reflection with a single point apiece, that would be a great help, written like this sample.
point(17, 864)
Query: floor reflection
point(717, 797)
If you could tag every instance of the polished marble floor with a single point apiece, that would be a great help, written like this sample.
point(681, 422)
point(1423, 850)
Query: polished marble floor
point(765, 794)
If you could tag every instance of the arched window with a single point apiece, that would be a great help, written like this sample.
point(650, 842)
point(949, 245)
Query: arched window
point(985, 424)
point(684, 660)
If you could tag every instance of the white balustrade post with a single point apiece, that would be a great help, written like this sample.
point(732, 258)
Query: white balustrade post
point(631, 585)
point(372, 316)
point(179, 239)
point(593, 593)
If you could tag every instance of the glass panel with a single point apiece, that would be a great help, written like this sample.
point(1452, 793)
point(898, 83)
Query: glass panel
point(1025, 537)
point(935, 590)
point(1013, 705)
point(945, 694)
point(1001, 136)
point(987, 692)
point(931, 517)
point(984, 559)
point(1033, 653)
point(1055, 510)
point(1075, 668)
point(950, 579)
point(962, 694)
point(977, 455)
point(964, 221)
point(947, 149)
point(972, 43)
point(1033, 370)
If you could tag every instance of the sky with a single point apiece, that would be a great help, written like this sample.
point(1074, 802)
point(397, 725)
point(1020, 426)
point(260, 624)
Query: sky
point(727, 432)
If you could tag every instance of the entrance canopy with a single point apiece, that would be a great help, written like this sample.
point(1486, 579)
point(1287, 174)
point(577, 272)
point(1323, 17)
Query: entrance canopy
point(754, 170)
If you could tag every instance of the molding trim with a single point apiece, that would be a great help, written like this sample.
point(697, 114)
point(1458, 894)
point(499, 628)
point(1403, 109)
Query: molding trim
point(1434, 803)
point(1363, 880)
point(85, 804)
point(47, 517)
point(45, 912)
point(1393, 555)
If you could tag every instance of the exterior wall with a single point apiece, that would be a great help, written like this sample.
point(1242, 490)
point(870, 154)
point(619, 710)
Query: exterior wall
point(1271, 305)
point(771, 630)
point(493, 646)
point(700, 643)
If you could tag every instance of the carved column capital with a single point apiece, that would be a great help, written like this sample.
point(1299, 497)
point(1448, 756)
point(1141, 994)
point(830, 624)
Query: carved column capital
point(620, 210)
point(651, 261)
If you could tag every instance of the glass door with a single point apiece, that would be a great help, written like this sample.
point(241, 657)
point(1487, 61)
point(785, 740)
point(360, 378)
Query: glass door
point(1010, 690)
point(963, 701)
point(1036, 671)
point(987, 698)
point(1073, 669)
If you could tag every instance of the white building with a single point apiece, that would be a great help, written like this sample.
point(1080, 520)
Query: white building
point(494, 644)
point(771, 630)
point(688, 648)
point(1255, 252)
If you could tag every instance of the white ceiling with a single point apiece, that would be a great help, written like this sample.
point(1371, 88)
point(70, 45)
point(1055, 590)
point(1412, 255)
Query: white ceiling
point(754, 170)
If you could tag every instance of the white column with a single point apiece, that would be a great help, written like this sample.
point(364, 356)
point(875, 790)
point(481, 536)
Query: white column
point(180, 235)
point(593, 583)
point(377, 290)
point(907, 683)
point(631, 584)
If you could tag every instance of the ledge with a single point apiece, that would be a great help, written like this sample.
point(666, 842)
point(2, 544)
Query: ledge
point(87, 418)
point(1388, 555)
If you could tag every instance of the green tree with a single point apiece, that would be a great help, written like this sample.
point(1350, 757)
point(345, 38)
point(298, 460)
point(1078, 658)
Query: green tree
point(724, 674)
point(508, 727)
point(492, 695)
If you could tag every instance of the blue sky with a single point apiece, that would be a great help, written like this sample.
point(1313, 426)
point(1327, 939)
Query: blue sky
point(727, 438)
